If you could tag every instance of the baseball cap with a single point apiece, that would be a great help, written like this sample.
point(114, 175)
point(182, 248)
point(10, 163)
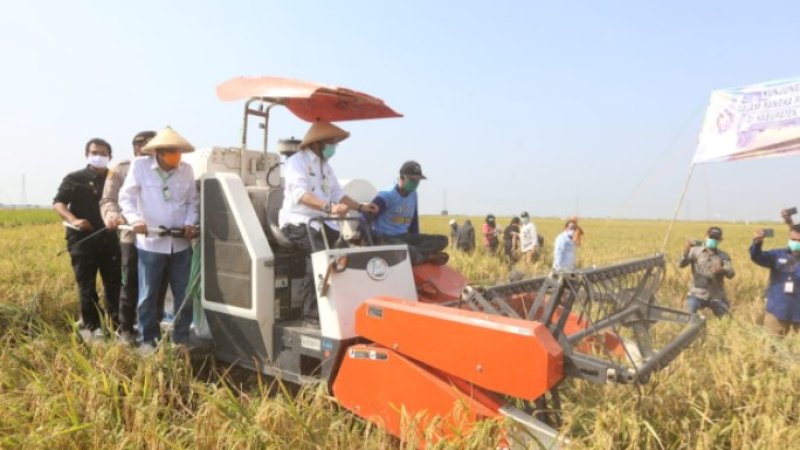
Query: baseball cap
point(714, 232)
point(413, 170)
point(143, 136)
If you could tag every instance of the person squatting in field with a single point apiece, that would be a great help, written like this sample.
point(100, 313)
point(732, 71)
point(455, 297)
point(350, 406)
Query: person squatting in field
point(78, 203)
point(783, 294)
point(160, 191)
point(397, 219)
point(112, 216)
point(710, 267)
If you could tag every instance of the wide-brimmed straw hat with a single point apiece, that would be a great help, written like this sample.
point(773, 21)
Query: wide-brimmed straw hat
point(167, 138)
point(321, 131)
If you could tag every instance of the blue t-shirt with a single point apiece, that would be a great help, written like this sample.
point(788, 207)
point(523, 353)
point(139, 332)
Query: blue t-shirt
point(397, 214)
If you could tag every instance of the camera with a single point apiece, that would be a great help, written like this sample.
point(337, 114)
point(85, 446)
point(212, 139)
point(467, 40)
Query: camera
point(768, 232)
point(790, 211)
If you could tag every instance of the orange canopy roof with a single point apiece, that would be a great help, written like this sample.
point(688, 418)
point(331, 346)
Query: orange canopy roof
point(308, 101)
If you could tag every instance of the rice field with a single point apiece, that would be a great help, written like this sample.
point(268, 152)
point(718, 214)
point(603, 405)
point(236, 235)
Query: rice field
point(733, 389)
point(20, 217)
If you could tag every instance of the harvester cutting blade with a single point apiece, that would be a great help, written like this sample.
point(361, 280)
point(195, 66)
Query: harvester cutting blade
point(531, 431)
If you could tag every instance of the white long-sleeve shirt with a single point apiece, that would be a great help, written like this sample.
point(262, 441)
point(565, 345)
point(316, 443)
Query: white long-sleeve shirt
point(306, 172)
point(159, 198)
point(528, 237)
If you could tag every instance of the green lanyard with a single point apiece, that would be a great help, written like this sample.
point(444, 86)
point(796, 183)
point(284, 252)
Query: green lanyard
point(325, 188)
point(164, 177)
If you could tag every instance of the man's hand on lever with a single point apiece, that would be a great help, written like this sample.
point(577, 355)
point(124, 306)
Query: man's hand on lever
point(190, 231)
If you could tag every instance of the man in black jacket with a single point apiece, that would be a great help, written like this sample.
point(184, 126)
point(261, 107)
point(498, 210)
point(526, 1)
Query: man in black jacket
point(78, 203)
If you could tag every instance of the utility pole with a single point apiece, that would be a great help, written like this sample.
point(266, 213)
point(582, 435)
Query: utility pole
point(23, 197)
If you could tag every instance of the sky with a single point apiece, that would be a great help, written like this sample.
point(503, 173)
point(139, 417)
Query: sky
point(557, 108)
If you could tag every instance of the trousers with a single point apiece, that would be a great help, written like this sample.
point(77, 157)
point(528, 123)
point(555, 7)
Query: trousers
point(154, 269)
point(86, 264)
point(299, 235)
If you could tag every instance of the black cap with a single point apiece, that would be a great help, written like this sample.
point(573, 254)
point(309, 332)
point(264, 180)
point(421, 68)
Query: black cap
point(413, 170)
point(714, 233)
point(524, 215)
point(143, 137)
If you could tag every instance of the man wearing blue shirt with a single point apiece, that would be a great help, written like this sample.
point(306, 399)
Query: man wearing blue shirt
point(783, 292)
point(397, 221)
point(565, 248)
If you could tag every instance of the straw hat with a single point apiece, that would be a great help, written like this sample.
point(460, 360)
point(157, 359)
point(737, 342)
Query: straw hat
point(167, 138)
point(321, 131)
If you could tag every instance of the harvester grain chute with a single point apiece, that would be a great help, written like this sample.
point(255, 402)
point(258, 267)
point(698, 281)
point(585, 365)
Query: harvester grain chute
point(394, 338)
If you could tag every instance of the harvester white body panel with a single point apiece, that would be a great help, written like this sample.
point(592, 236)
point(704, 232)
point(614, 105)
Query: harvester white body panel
point(233, 285)
point(366, 272)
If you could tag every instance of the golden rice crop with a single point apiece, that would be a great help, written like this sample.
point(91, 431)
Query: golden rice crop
point(733, 389)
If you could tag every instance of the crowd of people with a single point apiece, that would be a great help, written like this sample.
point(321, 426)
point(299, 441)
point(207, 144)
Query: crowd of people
point(153, 202)
point(155, 197)
point(710, 266)
point(312, 195)
point(521, 240)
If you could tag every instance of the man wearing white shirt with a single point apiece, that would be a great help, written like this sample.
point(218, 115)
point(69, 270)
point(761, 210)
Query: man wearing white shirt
point(528, 238)
point(311, 190)
point(160, 191)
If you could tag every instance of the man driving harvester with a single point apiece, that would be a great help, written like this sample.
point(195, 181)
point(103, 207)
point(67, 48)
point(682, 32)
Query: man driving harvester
point(311, 190)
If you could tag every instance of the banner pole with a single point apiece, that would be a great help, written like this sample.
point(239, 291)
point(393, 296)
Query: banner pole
point(678, 208)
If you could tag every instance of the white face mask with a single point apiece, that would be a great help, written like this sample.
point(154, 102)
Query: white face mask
point(98, 161)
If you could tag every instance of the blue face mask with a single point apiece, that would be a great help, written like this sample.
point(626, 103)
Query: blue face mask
point(328, 151)
point(794, 246)
point(712, 243)
point(410, 185)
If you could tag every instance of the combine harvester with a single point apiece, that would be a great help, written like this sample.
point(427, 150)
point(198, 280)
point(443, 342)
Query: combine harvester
point(394, 341)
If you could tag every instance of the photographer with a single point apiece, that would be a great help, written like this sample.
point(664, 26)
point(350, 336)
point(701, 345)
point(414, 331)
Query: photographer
point(783, 295)
point(710, 267)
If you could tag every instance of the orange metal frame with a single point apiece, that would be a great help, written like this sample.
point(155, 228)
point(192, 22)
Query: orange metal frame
point(515, 357)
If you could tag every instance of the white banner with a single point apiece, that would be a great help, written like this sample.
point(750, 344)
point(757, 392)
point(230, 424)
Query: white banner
point(756, 121)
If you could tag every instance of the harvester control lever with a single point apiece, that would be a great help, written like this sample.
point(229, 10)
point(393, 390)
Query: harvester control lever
point(81, 241)
point(363, 225)
point(161, 231)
